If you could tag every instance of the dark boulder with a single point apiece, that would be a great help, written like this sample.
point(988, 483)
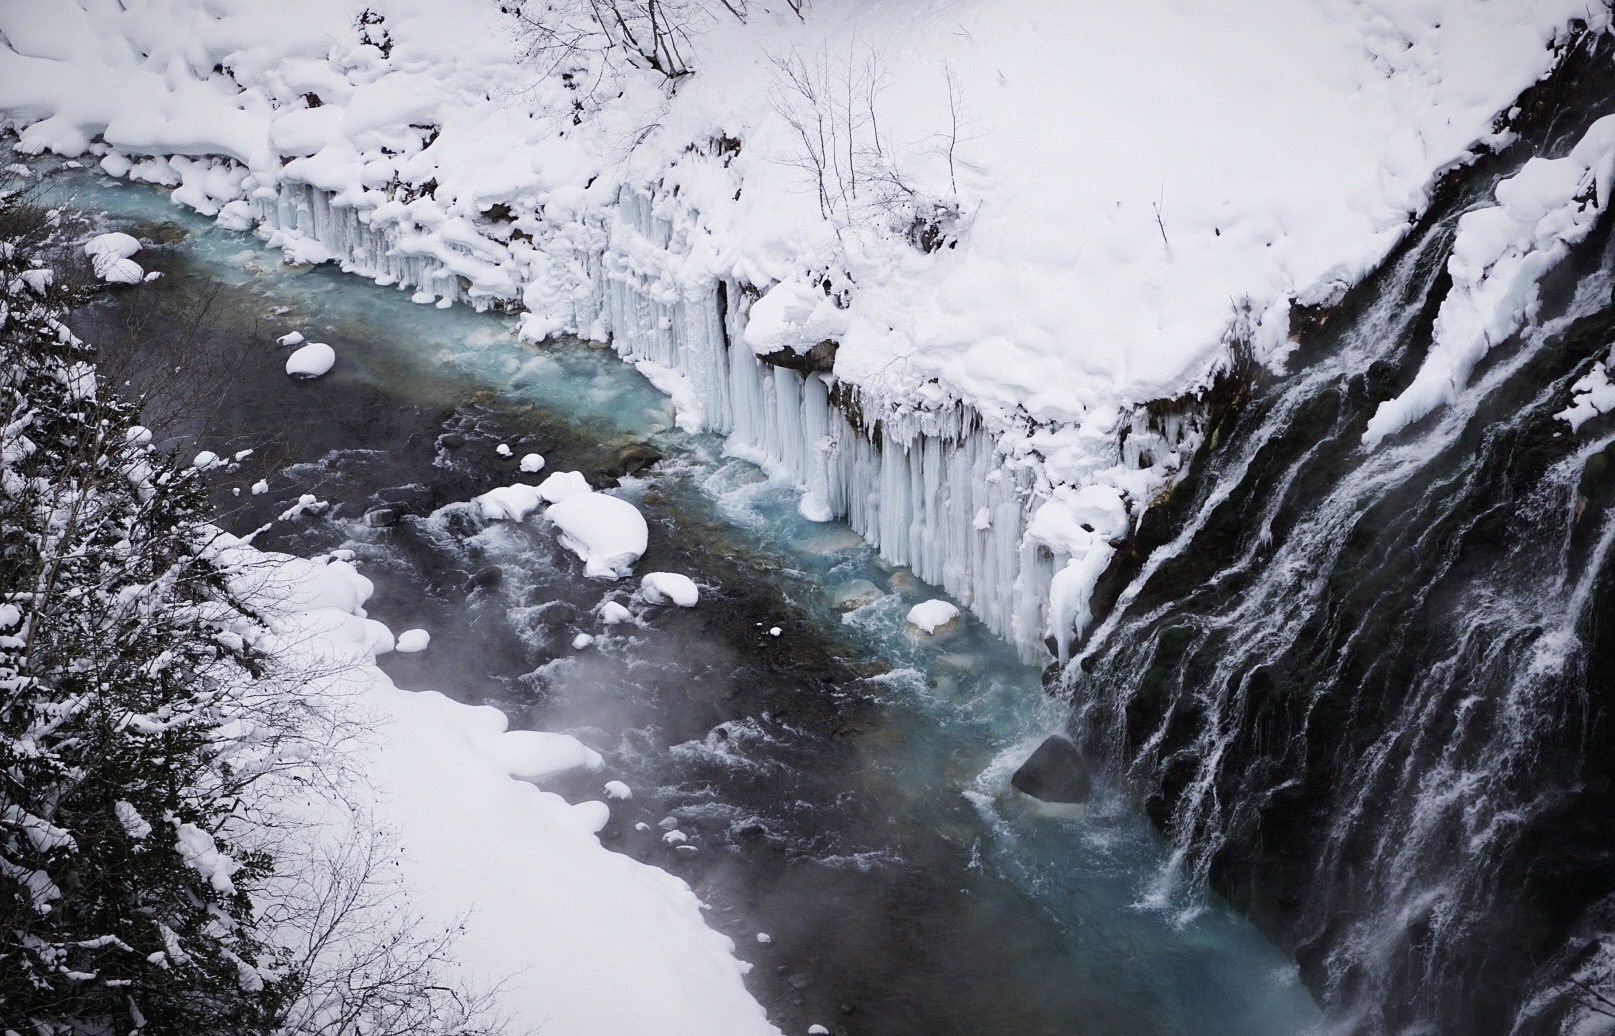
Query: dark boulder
point(820, 359)
point(632, 459)
point(486, 578)
point(1056, 772)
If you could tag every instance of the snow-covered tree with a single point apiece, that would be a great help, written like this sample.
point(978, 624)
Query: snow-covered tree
point(125, 906)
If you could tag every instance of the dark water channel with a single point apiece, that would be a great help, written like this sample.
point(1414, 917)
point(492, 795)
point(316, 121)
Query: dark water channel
point(843, 785)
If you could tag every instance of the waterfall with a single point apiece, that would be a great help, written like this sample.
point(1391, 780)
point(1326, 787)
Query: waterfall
point(1360, 688)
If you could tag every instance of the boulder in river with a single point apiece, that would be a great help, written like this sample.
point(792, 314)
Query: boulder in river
point(1056, 772)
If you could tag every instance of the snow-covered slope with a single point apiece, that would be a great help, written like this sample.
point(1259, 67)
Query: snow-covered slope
point(562, 924)
point(1131, 188)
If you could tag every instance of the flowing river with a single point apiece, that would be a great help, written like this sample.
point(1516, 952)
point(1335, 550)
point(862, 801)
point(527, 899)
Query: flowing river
point(843, 784)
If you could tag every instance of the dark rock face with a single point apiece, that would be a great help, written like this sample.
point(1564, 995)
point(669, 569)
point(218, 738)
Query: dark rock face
point(486, 578)
point(631, 460)
point(1056, 772)
point(820, 359)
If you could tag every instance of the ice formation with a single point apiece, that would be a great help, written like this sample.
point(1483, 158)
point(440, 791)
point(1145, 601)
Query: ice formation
point(1051, 341)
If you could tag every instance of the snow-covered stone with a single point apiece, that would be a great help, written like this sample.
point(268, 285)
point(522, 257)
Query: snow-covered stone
point(665, 587)
point(412, 641)
point(608, 533)
point(311, 360)
point(532, 462)
point(562, 484)
point(932, 615)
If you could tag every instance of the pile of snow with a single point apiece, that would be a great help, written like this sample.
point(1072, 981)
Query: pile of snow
point(516, 501)
point(609, 534)
point(290, 338)
point(1591, 395)
point(562, 484)
point(311, 360)
point(532, 462)
point(109, 256)
point(612, 613)
point(519, 871)
point(510, 503)
point(663, 587)
point(412, 641)
point(932, 615)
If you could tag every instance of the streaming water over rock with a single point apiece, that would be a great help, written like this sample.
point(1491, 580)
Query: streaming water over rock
point(1367, 691)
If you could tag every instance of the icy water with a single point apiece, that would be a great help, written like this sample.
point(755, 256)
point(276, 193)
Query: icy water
point(843, 785)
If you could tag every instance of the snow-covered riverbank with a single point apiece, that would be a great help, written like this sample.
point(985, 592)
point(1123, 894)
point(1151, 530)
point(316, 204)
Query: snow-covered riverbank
point(579, 939)
point(1116, 199)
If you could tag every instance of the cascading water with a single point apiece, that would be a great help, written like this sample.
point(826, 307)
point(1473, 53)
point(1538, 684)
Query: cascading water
point(1361, 689)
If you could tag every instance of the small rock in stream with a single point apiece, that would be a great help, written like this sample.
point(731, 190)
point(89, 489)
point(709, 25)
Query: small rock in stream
point(1056, 772)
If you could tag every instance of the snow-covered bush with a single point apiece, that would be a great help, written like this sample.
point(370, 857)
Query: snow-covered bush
point(125, 903)
point(153, 878)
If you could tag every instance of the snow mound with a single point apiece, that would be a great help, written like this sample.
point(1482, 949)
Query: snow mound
point(109, 256)
point(117, 245)
point(532, 462)
point(311, 360)
point(609, 534)
point(290, 338)
point(663, 587)
point(562, 484)
point(511, 503)
point(932, 615)
point(412, 641)
point(612, 613)
point(793, 317)
point(536, 754)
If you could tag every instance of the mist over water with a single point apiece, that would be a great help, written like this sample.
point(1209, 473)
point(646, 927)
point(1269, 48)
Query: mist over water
point(842, 787)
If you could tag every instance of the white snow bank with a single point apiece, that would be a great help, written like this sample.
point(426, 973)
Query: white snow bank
point(1498, 258)
point(311, 360)
point(1098, 244)
point(570, 923)
point(609, 534)
point(932, 615)
point(1219, 163)
point(664, 587)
